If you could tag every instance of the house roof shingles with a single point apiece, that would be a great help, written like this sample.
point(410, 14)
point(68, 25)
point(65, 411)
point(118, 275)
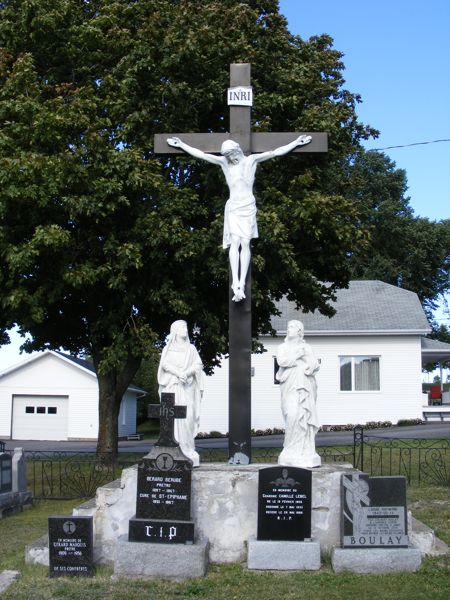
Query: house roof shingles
point(366, 306)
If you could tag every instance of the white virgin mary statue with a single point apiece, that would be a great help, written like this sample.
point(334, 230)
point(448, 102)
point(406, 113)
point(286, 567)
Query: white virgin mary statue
point(298, 387)
point(181, 372)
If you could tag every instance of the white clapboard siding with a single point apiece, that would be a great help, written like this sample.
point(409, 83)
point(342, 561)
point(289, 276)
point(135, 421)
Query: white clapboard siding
point(400, 396)
point(48, 376)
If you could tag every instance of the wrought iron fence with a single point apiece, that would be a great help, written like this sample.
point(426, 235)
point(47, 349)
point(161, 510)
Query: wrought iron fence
point(67, 475)
point(270, 455)
point(421, 461)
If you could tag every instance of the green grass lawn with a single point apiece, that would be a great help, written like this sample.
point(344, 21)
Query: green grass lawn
point(432, 582)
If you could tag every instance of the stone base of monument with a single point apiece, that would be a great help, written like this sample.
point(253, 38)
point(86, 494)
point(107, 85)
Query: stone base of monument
point(13, 502)
point(376, 560)
point(166, 561)
point(37, 552)
point(270, 555)
point(224, 509)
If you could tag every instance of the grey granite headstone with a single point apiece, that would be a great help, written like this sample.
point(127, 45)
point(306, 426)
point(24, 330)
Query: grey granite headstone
point(19, 471)
point(374, 512)
point(70, 542)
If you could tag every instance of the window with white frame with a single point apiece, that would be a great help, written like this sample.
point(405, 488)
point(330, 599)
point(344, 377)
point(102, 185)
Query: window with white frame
point(360, 373)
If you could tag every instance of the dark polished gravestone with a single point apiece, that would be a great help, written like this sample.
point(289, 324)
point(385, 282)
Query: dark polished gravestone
point(5, 472)
point(70, 543)
point(284, 540)
point(374, 512)
point(284, 504)
point(163, 498)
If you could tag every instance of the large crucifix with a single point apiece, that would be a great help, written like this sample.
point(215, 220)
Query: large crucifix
point(240, 151)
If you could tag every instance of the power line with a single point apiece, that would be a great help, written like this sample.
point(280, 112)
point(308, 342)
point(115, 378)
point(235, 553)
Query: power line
point(408, 145)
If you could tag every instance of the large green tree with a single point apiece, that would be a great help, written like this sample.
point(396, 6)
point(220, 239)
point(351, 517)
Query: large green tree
point(406, 250)
point(102, 244)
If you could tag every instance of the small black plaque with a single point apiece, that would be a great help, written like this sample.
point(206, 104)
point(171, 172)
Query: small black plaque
point(161, 531)
point(70, 542)
point(284, 504)
point(374, 512)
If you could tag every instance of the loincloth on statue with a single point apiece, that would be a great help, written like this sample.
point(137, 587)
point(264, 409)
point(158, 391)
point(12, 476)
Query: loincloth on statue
point(239, 220)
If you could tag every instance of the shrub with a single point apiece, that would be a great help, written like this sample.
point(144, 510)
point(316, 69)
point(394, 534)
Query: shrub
point(404, 422)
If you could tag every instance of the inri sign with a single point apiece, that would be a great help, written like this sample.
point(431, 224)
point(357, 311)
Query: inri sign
point(240, 96)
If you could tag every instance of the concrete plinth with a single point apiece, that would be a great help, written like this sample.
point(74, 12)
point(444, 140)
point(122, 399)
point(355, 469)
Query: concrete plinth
point(283, 556)
point(6, 579)
point(165, 561)
point(37, 552)
point(375, 560)
point(224, 508)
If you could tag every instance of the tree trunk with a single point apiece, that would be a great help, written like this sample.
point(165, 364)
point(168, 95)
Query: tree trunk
point(111, 387)
point(108, 413)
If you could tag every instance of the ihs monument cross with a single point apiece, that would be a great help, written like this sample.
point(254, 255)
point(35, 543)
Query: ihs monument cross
point(240, 152)
point(166, 411)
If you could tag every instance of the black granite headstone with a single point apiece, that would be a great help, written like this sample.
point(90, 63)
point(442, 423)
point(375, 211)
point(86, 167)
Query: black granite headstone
point(374, 512)
point(163, 499)
point(163, 502)
point(70, 543)
point(164, 487)
point(5, 472)
point(284, 504)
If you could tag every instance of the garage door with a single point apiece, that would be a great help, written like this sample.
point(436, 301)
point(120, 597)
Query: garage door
point(40, 417)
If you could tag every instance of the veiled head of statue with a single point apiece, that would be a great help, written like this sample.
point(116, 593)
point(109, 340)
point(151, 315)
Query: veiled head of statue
point(177, 329)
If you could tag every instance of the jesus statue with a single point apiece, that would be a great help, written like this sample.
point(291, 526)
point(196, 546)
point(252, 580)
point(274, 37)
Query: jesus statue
point(240, 210)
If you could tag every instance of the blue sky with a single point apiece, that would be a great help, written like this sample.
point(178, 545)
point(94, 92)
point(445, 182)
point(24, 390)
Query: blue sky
point(397, 57)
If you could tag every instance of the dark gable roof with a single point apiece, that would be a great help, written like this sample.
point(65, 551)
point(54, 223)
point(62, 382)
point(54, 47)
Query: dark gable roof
point(78, 361)
point(365, 307)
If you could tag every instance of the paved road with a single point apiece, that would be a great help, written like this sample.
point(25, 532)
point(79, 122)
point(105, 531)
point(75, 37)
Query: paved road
point(329, 438)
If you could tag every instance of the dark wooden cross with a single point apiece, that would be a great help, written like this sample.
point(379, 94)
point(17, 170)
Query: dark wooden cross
point(166, 412)
point(240, 320)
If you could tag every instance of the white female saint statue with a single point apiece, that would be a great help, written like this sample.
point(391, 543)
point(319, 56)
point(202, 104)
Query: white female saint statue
point(181, 372)
point(298, 387)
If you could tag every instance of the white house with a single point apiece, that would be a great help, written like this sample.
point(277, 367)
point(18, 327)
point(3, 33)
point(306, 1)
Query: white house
point(54, 396)
point(371, 355)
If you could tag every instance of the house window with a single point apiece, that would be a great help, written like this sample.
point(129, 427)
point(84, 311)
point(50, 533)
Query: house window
point(51, 410)
point(40, 410)
point(29, 409)
point(360, 373)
